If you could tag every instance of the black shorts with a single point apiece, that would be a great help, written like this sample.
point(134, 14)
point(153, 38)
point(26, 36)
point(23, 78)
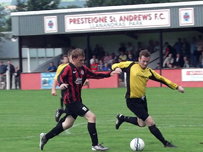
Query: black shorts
point(139, 107)
point(75, 109)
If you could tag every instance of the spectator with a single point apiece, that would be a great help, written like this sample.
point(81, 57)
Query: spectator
point(199, 46)
point(178, 46)
point(2, 74)
point(11, 70)
point(114, 57)
point(17, 78)
point(101, 53)
point(193, 57)
point(200, 63)
point(130, 57)
point(168, 65)
point(129, 47)
point(170, 59)
point(122, 47)
point(122, 56)
point(186, 48)
point(94, 66)
point(151, 46)
point(158, 66)
point(178, 62)
point(106, 67)
point(101, 65)
point(106, 57)
point(96, 50)
point(168, 50)
point(52, 67)
point(186, 62)
point(111, 62)
point(93, 58)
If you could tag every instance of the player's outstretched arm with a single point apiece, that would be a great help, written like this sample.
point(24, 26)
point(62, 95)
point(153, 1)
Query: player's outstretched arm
point(180, 89)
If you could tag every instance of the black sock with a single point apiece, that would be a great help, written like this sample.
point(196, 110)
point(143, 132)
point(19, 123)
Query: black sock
point(93, 133)
point(132, 120)
point(55, 131)
point(61, 99)
point(155, 131)
point(62, 119)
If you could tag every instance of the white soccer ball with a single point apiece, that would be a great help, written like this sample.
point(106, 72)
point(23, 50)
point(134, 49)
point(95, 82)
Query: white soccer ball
point(137, 144)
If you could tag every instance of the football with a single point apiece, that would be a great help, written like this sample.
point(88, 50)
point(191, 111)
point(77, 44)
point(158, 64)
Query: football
point(137, 144)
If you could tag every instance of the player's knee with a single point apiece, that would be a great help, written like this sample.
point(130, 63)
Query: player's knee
point(142, 125)
point(67, 125)
point(93, 117)
point(149, 121)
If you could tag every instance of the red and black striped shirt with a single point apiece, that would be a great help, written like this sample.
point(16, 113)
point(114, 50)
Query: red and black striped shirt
point(75, 77)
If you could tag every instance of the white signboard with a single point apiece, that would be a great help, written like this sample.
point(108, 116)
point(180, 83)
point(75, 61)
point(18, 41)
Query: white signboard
point(118, 20)
point(186, 16)
point(50, 24)
point(192, 74)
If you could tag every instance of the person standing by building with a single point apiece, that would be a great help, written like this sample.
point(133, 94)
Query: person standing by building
point(11, 70)
point(71, 79)
point(3, 74)
point(137, 76)
point(17, 78)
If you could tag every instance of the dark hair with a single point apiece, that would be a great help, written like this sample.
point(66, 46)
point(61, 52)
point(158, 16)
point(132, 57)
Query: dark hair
point(77, 52)
point(144, 53)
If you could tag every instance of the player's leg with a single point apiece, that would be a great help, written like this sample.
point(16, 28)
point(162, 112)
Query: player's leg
point(65, 123)
point(156, 132)
point(81, 110)
point(91, 118)
point(137, 106)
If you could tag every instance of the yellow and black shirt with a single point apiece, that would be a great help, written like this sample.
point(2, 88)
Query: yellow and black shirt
point(137, 78)
point(59, 69)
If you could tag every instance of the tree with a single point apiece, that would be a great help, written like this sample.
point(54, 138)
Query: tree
point(2, 23)
point(97, 3)
point(36, 5)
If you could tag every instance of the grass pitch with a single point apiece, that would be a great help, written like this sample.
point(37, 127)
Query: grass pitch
point(25, 114)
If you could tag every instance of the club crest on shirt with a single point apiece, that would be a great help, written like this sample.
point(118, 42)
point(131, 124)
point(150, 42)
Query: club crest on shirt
point(78, 81)
point(82, 72)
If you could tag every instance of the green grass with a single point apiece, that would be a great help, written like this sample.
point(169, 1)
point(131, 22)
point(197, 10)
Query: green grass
point(25, 114)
